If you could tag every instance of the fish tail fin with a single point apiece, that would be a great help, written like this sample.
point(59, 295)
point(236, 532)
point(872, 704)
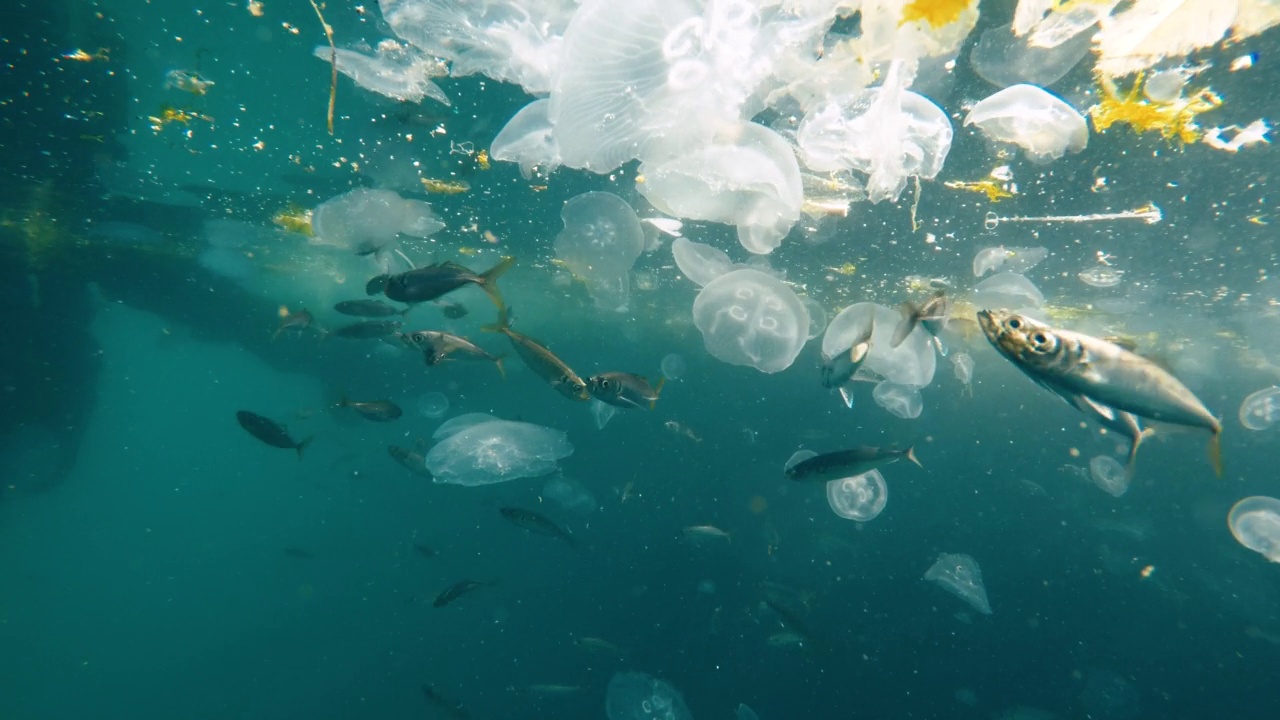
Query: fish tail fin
point(489, 279)
point(846, 396)
point(501, 370)
point(504, 321)
point(657, 391)
point(1215, 453)
point(911, 455)
point(303, 445)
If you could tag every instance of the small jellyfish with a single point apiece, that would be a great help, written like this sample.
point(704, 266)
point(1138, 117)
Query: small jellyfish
point(746, 713)
point(1007, 290)
point(1101, 276)
point(433, 405)
point(674, 367)
point(1034, 119)
point(1109, 474)
point(700, 262)
point(637, 696)
point(961, 575)
point(707, 587)
point(1255, 523)
point(963, 363)
point(602, 412)
point(861, 497)
point(1008, 259)
point(901, 400)
point(1261, 410)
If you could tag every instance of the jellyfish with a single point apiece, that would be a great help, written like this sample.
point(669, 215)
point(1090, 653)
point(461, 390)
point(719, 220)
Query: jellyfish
point(817, 316)
point(1003, 59)
point(457, 424)
point(1255, 523)
point(1017, 260)
point(700, 262)
point(433, 405)
point(746, 713)
point(747, 317)
point(528, 139)
point(570, 495)
point(395, 71)
point(366, 220)
point(602, 412)
point(963, 363)
point(1007, 290)
point(901, 400)
point(674, 367)
point(1109, 474)
point(888, 132)
point(1037, 121)
point(1101, 276)
point(600, 242)
point(861, 497)
point(637, 696)
point(497, 451)
point(746, 176)
point(913, 362)
point(960, 575)
point(1261, 409)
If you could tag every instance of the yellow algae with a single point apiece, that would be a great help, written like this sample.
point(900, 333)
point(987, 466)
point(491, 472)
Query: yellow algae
point(169, 114)
point(295, 219)
point(993, 191)
point(444, 187)
point(1173, 119)
point(482, 159)
point(937, 13)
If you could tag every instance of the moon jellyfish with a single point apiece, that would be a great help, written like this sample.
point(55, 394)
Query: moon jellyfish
point(570, 495)
point(1109, 474)
point(1255, 523)
point(901, 400)
point(1014, 259)
point(750, 318)
point(1003, 58)
point(1033, 119)
point(602, 412)
point(396, 71)
point(861, 497)
point(1107, 696)
point(455, 425)
point(961, 575)
point(746, 177)
point(433, 405)
point(1261, 410)
point(527, 139)
point(366, 219)
point(746, 713)
point(673, 367)
point(1007, 290)
point(600, 243)
point(700, 262)
point(497, 451)
point(913, 362)
point(1101, 276)
point(637, 696)
point(963, 364)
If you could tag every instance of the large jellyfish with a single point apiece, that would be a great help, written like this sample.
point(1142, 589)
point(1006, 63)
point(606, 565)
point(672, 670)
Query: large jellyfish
point(961, 575)
point(1261, 409)
point(748, 317)
point(913, 362)
point(901, 400)
point(746, 177)
point(1255, 523)
point(1032, 118)
point(528, 139)
point(497, 451)
point(600, 242)
point(458, 423)
point(637, 696)
point(366, 220)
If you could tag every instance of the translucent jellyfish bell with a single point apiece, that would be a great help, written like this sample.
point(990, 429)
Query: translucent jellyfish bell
point(457, 424)
point(433, 404)
point(570, 495)
point(911, 363)
point(674, 366)
point(1255, 523)
point(817, 316)
point(1008, 259)
point(1033, 119)
point(963, 363)
point(746, 177)
point(700, 262)
point(395, 71)
point(746, 713)
point(888, 132)
point(1003, 59)
point(861, 497)
point(637, 696)
point(747, 317)
point(497, 451)
point(1261, 409)
point(901, 400)
point(362, 219)
point(1007, 290)
point(528, 139)
point(1101, 276)
point(602, 412)
point(961, 575)
point(1109, 474)
point(600, 243)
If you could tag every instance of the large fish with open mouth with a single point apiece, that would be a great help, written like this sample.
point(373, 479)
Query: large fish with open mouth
point(1099, 377)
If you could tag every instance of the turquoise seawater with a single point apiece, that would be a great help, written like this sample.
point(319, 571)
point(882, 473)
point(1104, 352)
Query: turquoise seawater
point(158, 562)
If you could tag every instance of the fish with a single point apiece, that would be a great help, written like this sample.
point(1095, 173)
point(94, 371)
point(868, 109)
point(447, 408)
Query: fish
point(599, 645)
point(847, 463)
point(698, 533)
point(537, 523)
point(412, 461)
point(270, 432)
point(931, 314)
point(625, 390)
point(369, 308)
point(376, 410)
point(300, 320)
point(438, 346)
point(792, 621)
point(455, 591)
point(541, 360)
point(1101, 374)
point(681, 429)
point(553, 690)
point(367, 330)
point(433, 281)
point(425, 551)
point(839, 369)
point(1125, 423)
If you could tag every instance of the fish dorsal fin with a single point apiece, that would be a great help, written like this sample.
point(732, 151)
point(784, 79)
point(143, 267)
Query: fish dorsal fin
point(1127, 343)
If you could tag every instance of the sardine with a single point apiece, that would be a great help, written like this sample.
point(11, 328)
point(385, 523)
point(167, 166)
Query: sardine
point(367, 330)
point(1099, 372)
point(438, 346)
point(369, 308)
point(839, 369)
point(455, 591)
point(931, 314)
point(847, 463)
point(541, 360)
point(433, 281)
point(376, 410)
point(537, 523)
point(270, 432)
point(625, 389)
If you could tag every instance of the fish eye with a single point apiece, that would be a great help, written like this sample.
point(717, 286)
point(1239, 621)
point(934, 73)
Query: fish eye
point(1039, 338)
point(1014, 323)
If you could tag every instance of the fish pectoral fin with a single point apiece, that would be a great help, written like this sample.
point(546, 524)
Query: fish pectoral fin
point(1105, 411)
point(1215, 453)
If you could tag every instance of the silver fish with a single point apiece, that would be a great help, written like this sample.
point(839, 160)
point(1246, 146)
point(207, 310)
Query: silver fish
point(847, 463)
point(1100, 373)
point(839, 369)
point(625, 390)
